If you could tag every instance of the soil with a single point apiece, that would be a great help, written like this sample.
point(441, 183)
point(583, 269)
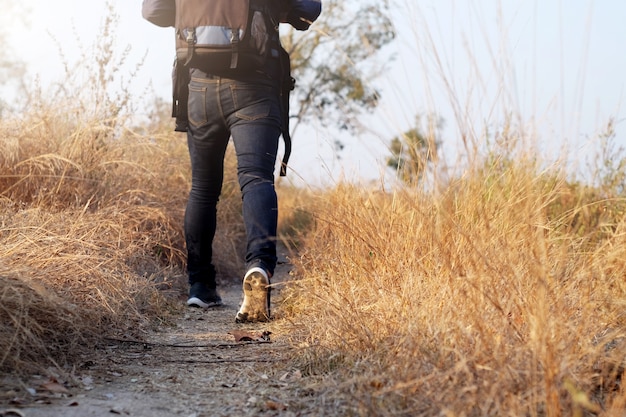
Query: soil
point(194, 368)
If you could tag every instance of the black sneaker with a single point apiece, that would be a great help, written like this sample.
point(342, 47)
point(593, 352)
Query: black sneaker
point(202, 296)
point(256, 297)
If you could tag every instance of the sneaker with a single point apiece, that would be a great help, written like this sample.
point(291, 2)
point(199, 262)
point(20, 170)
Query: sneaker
point(256, 297)
point(202, 296)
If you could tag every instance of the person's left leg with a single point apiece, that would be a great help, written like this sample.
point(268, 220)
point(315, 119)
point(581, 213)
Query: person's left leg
point(207, 140)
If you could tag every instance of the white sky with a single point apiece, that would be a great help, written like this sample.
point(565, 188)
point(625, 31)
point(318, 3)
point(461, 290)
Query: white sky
point(561, 68)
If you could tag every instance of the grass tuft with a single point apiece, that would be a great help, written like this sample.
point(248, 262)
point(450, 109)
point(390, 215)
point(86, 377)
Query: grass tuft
point(473, 300)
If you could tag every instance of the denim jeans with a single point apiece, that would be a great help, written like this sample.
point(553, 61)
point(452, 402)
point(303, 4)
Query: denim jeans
point(248, 110)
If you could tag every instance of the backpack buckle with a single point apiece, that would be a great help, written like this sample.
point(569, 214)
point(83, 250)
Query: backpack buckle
point(191, 41)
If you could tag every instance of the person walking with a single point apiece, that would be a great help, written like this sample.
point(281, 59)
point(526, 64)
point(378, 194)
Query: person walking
point(242, 99)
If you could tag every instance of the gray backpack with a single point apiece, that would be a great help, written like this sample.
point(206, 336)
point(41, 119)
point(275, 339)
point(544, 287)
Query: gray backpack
point(223, 35)
point(219, 35)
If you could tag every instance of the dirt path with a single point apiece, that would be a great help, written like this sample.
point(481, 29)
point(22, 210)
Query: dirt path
point(193, 369)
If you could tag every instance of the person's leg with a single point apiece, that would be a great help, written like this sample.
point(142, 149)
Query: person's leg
point(256, 128)
point(256, 160)
point(207, 139)
point(256, 136)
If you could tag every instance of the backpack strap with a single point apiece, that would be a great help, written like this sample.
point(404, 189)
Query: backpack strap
point(287, 139)
point(287, 85)
point(191, 42)
point(234, 44)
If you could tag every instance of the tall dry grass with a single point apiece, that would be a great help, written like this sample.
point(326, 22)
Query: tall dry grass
point(91, 225)
point(488, 297)
point(500, 292)
point(91, 232)
point(499, 289)
point(92, 202)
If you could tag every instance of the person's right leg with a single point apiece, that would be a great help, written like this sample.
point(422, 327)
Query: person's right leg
point(256, 126)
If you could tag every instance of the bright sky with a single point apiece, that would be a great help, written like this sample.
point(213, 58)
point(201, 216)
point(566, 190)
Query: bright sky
point(558, 64)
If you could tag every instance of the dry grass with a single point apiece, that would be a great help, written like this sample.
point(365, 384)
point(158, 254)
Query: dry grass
point(295, 216)
point(502, 292)
point(477, 300)
point(91, 239)
point(87, 233)
point(499, 292)
point(91, 214)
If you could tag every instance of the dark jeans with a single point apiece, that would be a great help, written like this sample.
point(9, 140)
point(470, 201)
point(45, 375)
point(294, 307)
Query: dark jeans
point(248, 109)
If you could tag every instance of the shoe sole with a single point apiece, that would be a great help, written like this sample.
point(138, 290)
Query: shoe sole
point(198, 303)
point(255, 306)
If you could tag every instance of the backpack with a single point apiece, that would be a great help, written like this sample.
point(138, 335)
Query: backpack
point(223, 35)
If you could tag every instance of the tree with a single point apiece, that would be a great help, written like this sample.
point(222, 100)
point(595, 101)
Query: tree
point(412, 151)
point(334, 62)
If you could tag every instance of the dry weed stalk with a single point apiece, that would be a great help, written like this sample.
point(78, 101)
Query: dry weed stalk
point(469, 302)
point(95, 237)
point(91, 212)
point(95, 216)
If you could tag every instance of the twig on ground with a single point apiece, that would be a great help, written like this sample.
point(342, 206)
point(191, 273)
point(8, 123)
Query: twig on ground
point(150, 345)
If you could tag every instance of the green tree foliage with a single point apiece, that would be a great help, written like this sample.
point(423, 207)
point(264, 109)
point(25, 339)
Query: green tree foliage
point(412, 151)
point(335, 61)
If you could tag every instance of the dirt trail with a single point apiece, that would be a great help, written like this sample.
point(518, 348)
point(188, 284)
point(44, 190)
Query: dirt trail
point(192, 369)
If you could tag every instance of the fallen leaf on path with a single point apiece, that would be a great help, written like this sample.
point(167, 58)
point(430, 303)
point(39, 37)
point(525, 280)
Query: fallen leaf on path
point(245, 336)
point(275, 406)
point(377, 384)
point(54, 387)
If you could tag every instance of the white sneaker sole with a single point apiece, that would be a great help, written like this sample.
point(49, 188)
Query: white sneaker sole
point(196, 302)
point(255, 297)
